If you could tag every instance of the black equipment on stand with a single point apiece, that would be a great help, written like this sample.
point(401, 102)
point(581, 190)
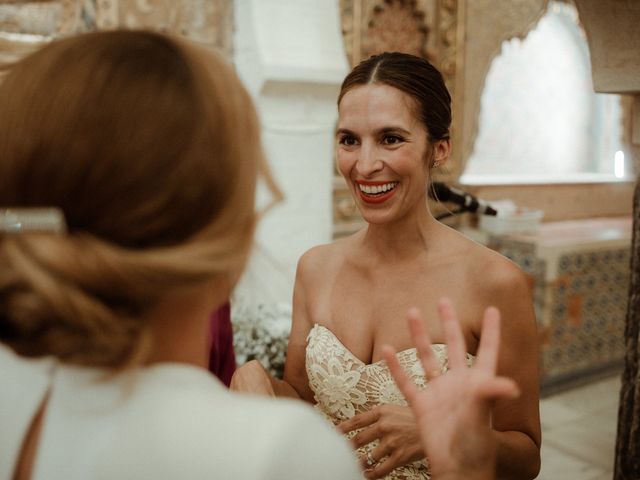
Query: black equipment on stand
point(465, 201)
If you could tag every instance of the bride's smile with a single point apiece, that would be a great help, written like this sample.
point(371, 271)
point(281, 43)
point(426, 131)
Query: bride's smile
point(382, 152)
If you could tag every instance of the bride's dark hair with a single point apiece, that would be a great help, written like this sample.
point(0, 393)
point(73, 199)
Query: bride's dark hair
point(414, 76)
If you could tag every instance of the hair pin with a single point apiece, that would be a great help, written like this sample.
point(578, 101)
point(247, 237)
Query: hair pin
point(21, 220)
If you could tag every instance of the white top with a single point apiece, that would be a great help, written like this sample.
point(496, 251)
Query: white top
point(166, 421)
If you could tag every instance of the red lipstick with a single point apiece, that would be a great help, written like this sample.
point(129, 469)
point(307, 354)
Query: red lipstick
point(375, 198)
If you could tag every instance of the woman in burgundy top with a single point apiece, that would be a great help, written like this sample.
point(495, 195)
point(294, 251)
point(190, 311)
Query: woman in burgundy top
point(222, 359)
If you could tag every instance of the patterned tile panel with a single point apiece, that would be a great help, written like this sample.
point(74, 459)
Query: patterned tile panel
point(581, 312)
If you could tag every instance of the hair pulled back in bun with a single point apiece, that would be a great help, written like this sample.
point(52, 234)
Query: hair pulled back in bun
point(150, 146)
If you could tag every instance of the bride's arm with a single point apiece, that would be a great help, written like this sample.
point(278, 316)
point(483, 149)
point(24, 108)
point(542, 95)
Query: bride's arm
point(252, 376)
point(516, 422)
point(295, 373)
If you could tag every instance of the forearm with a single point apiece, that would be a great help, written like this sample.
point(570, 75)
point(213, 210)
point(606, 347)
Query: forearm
point(518, 456)
point(283, 389)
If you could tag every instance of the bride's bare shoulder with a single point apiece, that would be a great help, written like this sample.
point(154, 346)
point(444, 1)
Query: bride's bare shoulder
point(478, 261)
point(322, 259)
point(502, 280)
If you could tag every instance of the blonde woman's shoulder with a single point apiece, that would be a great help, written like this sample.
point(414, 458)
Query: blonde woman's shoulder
point(198, 429)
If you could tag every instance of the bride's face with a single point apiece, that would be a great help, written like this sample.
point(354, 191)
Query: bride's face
point(382, 152)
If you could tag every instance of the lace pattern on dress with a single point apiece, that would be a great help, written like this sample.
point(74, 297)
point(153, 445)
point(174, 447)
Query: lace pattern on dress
point(343, 385)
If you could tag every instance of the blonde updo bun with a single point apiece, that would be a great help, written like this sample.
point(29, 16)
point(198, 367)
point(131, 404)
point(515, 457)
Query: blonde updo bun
point(150, 146)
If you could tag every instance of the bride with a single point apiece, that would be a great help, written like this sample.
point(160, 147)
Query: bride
point(350, 296)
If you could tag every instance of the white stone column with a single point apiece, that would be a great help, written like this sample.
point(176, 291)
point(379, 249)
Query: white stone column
point(291, 57)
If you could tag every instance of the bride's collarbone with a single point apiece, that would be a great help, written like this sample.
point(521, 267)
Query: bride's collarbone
point(391, 277)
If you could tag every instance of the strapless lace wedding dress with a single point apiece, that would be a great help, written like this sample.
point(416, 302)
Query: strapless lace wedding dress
point(343, 386)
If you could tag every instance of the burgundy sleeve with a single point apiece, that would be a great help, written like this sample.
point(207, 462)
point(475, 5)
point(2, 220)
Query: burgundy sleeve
point(222, 359)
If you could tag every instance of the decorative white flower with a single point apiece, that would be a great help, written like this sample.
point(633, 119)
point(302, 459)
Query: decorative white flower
point(335, 388)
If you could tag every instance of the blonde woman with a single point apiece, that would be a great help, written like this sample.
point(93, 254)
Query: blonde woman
point(128, 165)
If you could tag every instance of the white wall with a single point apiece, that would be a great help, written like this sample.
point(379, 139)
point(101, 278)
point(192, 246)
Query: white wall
point(291, 57)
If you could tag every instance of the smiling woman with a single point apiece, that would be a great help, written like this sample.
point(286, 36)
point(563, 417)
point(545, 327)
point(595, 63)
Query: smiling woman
point(351, 296)
point(378, 128)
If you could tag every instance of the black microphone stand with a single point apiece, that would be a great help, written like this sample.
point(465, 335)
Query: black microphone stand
point(443, 193)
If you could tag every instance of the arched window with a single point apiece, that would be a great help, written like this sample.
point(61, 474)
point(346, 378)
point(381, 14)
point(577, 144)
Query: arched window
point(540, 120)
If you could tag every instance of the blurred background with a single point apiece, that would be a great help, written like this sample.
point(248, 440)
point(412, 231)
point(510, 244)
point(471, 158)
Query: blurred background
point(530, 136)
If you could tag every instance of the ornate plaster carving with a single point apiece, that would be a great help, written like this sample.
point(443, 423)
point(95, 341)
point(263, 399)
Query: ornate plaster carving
point(24, 26)
point(203, 21)
point(374, 26)
point(107, 14)
point(396, 25)
point(45, 18)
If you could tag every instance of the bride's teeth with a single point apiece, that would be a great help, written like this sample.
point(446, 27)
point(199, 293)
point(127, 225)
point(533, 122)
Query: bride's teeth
point(375, 189)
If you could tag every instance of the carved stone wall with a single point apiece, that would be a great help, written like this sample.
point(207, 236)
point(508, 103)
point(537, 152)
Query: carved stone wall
point(26, 24)
point(209, 22)
point(614, 53)
point(47, 18)
point(375, 26)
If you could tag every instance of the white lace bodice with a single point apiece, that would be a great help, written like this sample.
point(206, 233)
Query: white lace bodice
point(344, 385)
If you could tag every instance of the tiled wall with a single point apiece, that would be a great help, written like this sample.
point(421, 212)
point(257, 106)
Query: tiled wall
point(580, 304)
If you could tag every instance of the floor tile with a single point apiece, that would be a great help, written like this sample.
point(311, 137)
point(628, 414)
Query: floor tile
point(595, 396)
point(579, 432)
point(557, 465)
point(601, 476)
point(584, 442)
point(605, 422)
point(554, 413)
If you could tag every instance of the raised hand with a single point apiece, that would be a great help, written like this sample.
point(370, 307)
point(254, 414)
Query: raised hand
point(453, 412)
